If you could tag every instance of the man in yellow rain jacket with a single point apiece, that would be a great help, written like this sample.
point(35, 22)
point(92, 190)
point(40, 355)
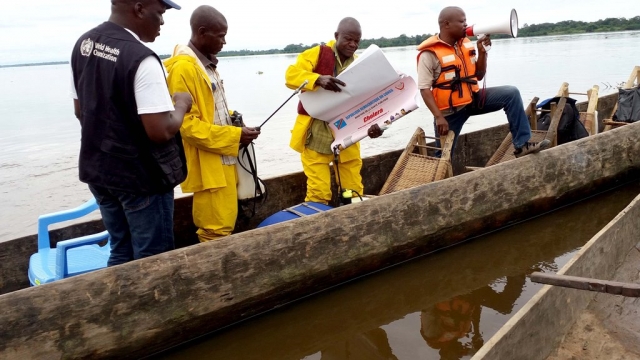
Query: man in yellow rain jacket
point(211, 143)
point(311, 137)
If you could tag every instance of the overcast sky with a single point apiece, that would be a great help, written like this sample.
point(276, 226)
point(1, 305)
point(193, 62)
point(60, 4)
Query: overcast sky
point(45, 30)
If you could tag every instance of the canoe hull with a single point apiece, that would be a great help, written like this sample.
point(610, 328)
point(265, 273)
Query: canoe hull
point(537, 329)
point(148, 305)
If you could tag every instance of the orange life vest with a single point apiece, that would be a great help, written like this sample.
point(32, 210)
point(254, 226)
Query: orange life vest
point(457, 81)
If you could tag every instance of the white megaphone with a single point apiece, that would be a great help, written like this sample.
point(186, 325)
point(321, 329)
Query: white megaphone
point(509, 27)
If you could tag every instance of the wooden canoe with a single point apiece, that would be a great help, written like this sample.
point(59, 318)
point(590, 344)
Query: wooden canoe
point(145, 306)
point(564, 323)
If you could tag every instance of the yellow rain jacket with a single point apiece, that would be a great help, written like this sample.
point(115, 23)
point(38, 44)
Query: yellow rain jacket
point(204, 142)
point(296, 74)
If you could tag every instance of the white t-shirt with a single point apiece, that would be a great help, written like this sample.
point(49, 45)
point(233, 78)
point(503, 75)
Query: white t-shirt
point(150, 86)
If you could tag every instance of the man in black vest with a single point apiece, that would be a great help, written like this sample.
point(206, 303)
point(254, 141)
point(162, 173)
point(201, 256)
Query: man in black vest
point(131, 154)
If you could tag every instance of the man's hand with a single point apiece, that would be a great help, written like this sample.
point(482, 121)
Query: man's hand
point(485, 41)
point(329, 83)
point(442, 125)
point(248, 135)
point(374, 131)
point(183, 100)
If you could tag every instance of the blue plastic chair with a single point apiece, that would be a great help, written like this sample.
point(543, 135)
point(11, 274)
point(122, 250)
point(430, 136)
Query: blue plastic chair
point(69, 257)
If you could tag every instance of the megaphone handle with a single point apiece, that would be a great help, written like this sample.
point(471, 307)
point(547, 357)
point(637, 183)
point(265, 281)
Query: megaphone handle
point(486, 47)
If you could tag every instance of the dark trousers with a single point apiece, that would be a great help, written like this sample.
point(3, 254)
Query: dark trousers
point(505, 98)
point(138, 225)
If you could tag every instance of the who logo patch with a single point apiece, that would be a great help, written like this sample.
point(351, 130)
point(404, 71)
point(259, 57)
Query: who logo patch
point(86, 47)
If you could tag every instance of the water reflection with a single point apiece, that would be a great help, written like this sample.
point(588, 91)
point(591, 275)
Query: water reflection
point(370, 345)
point(453, 326)
point(443, 306)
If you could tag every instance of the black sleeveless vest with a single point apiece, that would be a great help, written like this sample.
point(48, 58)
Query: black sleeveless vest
point(115, 151)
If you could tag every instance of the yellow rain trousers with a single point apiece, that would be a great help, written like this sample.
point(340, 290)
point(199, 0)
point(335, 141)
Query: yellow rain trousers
point(215, 210)
point(212, 183)
point(316, 165)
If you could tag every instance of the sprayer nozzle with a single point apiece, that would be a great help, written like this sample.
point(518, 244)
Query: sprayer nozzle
point(301, 86)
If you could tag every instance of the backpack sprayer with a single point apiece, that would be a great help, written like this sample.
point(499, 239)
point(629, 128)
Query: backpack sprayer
point(346, 195)
point(248, 164)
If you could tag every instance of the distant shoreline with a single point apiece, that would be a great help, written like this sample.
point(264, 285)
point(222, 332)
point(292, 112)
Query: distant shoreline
point(536, 30)
point(36, 64)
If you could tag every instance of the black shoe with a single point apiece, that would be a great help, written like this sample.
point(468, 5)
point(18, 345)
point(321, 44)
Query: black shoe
point(531, 147)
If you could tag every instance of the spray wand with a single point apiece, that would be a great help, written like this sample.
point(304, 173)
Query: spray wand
point(286, 101)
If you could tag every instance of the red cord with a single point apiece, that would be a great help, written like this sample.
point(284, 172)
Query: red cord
point(483, 94)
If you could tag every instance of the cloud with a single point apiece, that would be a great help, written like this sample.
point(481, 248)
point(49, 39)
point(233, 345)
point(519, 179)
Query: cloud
point(46, 30)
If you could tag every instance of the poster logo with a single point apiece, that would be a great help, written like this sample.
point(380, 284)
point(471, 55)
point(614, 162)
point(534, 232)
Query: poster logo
point(400, 85)
point(86, 47)
point(340, 124)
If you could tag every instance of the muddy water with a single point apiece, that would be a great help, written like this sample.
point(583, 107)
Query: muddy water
point(441, 306)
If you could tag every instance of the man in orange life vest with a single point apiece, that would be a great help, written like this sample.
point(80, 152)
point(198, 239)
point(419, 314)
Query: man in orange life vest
point(311, 137)
point(448, 75)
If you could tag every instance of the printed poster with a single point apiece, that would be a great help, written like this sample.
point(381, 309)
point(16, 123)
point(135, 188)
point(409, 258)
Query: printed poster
point(383, 108)
point(370, 72)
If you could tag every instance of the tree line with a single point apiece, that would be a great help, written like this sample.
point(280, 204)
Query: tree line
point(559, 28)
point(543, 29)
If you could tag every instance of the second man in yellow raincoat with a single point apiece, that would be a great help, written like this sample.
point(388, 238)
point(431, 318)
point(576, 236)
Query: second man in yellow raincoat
point(211, 142)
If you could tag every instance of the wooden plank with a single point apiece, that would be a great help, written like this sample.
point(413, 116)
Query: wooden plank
point(634, 78)
point(589, 284)
point(473, 168)
point(564, 90)
point(609, 122)
point(588, 121)
point(557, 111)
point(591, 123)
point(533, 114)
point(615, 123)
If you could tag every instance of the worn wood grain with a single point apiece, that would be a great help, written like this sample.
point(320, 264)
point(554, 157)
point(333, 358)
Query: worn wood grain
point(147, 305)
point(536, 330)
point(589, 284)
point(284, 191)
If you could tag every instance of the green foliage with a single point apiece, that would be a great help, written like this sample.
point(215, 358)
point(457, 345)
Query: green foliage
point(402, 40)
point(527, 30)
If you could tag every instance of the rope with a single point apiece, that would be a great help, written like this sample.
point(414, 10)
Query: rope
point(253, 170)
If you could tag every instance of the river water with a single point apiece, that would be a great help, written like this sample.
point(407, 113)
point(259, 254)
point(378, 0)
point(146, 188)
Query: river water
point(445, 305)
point(39, 135)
